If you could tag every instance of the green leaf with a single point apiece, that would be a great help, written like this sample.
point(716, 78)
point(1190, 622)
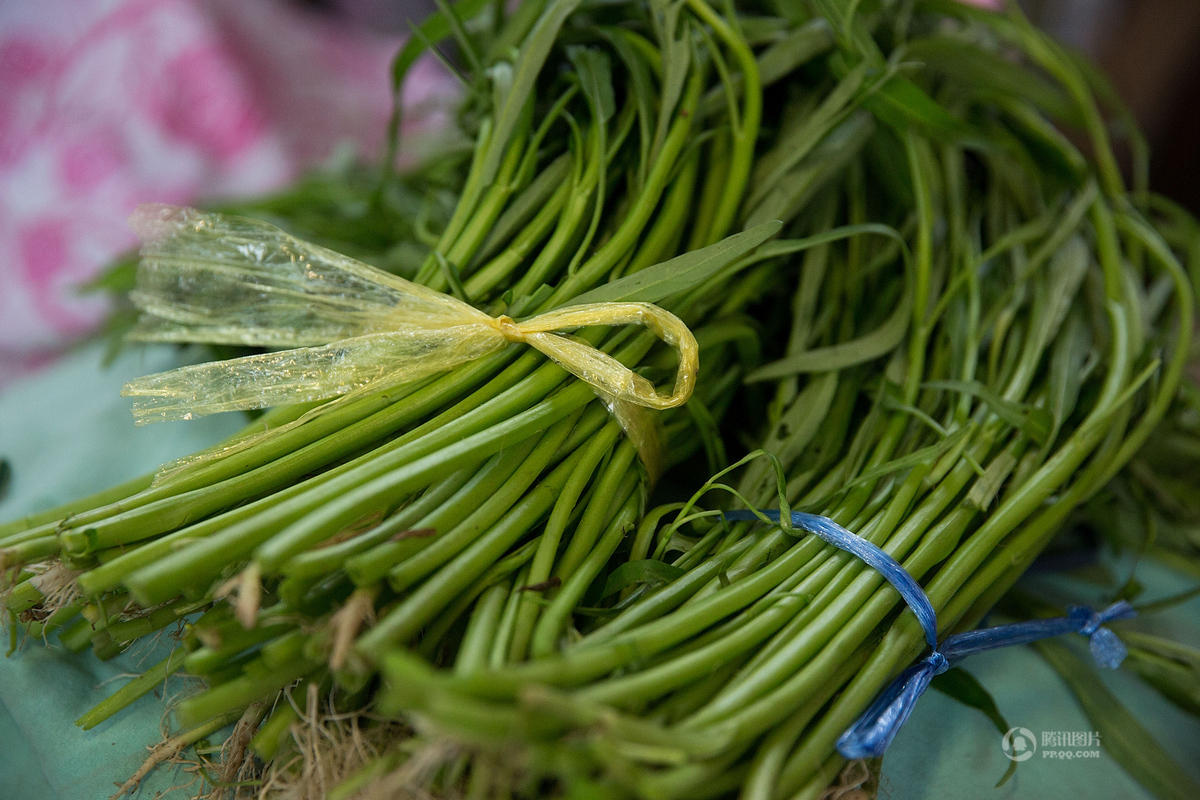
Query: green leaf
point(1043, 140)
point(989, 73)
point(796, 427)
point(1033, 422)
point(648, 571)
point(642, 87)
point(960, 685)
point(681, 273)
point(1125, 739)
point(465, 46)
point(524, 305)
point(801, 45)
point(899, 102)
point(534, 50)
point(1067, 374)
point(675, 54)
point(878, 342)
point(1172, 668)
point(453, 277)
point(595, 79)
point(594, 71)
point(526, 204)
point(781, 59)
point(1057, 295)
point(436, 27)
point(784, 247)
point(1169, 602)
point(797, 143)
point(827, 161)
point(921, 457)
point(988, 485)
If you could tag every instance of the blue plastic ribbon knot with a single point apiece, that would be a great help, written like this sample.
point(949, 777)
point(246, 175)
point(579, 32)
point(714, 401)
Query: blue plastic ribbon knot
point(875, 729)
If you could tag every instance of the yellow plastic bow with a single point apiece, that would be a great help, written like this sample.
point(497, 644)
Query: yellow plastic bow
point(228, 280)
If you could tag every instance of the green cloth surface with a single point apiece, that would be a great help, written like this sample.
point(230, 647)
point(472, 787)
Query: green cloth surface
point(948, 750)
point(67, 432)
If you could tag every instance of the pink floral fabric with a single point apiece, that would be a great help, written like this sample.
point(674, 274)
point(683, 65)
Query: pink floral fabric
point(106, 104)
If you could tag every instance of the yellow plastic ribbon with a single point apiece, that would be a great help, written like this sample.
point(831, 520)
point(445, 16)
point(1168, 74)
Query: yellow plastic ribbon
point(228, 280)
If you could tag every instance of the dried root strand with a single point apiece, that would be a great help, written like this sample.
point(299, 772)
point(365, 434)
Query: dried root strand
point(237, 763)
point(167, 750)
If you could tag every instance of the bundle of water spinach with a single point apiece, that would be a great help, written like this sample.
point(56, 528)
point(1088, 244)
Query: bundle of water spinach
point(1047, 316)
point(612, 156)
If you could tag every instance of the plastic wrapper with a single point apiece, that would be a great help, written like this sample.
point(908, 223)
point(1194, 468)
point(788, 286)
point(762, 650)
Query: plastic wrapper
point(347, 326)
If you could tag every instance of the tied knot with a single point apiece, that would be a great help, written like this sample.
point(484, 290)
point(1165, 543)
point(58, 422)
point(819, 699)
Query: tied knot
point(1108, 650)
point(937, 662)
point(507, 328)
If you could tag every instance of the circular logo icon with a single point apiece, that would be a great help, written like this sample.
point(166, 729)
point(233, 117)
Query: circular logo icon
point(1019, 744)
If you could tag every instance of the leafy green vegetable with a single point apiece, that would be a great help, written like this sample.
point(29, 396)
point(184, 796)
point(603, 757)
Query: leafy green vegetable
point(922, 310)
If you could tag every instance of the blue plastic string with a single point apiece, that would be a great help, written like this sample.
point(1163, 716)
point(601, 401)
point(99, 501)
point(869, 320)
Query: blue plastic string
point(829, 531)
point(875, 729)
